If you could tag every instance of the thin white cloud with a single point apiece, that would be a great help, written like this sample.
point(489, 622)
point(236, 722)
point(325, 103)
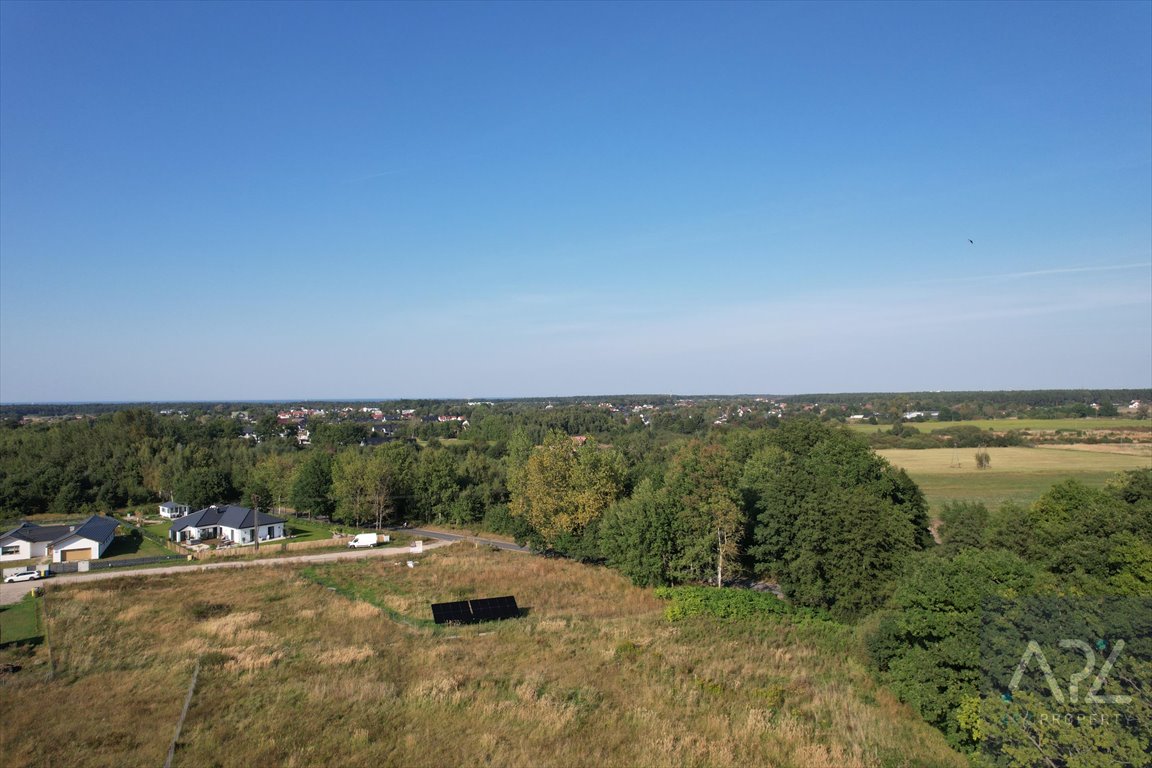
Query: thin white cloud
point(1037, 273)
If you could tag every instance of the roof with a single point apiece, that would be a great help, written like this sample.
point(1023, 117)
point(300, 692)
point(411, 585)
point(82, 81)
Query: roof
point(172, 505)
point(37, 533)
point(228, 516)
point(96, 528)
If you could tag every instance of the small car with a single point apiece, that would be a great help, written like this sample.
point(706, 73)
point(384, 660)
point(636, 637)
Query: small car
point(22, 576)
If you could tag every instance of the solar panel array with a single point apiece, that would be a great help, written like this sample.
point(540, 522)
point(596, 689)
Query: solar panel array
point(475, 611)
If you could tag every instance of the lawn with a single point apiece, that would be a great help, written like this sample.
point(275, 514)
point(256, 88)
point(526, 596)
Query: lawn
point(20, 621)
point(1016, 474)
point(302, 529)
point(129, 548)
point(294, 672)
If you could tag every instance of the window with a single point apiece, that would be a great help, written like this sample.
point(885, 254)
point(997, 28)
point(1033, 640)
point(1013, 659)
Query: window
point(11, 549)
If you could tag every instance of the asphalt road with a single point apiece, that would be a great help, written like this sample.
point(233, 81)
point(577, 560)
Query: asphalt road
point(12, 593)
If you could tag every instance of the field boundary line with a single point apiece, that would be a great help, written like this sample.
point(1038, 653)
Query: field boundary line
point(183, 714)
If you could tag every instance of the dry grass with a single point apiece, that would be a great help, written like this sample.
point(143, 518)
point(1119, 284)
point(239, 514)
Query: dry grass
point(295, 675)
point(1016, 474)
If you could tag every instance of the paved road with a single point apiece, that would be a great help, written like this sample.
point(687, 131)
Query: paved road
point(445, 536)
point(12, 593)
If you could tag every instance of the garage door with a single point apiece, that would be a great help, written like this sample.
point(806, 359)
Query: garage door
point(69, 555)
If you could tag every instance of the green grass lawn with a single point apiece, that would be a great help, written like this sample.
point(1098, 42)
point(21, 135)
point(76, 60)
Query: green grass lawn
point(1015, 474)
point(20, 622)
point(128, 548)
point(307, 530)
point(159, 529)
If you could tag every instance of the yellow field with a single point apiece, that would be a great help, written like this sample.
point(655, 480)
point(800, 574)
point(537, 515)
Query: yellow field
point(1017, 474)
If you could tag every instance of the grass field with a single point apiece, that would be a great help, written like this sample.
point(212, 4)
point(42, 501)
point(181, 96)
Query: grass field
point(19, 622)
point(1017, 474)
point(1032, 425)
point(294, 673)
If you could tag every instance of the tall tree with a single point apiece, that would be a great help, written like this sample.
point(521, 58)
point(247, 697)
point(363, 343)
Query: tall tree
point(312, 484)
point(834, 522)
point(638, 536)
point(701, 487)
point(563, 487)
point(437, 485)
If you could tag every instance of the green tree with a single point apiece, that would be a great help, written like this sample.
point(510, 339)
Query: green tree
point(437, 485)
point(638, 536)
point(353, 486)
point(834, 523)
point(202, 486)
point(271, 479)
point(927, 645)
point(268, 428)
point(701, 489)
point(373, 486)
point(562, 487)
point(312, 484)
point(962, 525)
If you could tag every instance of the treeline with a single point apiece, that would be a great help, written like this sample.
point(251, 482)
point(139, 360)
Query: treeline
point(965, 405)
point(885, 406)
point(807, 505)
point(1071, 571)
point(101, 464)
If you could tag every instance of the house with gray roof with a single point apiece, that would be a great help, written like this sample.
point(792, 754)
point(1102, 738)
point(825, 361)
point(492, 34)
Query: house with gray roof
point(63, 543)
point(227, 523)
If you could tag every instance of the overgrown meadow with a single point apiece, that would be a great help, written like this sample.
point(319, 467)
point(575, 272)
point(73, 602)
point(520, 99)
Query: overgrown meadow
point(341, 665)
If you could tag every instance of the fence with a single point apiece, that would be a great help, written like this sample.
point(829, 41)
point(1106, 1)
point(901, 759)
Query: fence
point(94, 565)
point(271, 546)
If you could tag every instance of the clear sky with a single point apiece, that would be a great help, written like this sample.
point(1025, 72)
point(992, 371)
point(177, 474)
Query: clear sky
point(287, 201)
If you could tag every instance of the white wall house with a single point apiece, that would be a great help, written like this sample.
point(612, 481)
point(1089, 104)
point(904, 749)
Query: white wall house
point(174, 510)
point(88, 542)
point(63, 543)
point(227, 523)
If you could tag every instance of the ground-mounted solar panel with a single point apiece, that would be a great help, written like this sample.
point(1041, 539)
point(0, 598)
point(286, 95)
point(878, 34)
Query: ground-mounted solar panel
point(452, 613)
point(474, 611)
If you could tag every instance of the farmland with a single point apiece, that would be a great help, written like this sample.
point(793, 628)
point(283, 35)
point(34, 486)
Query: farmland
point(1015, 474)
point(295, 672)
point(1031, 425)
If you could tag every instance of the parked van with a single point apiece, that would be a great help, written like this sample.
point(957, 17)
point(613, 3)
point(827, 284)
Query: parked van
point(363, 540)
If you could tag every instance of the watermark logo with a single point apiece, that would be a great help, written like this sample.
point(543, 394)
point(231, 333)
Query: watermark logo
point(1033, 652)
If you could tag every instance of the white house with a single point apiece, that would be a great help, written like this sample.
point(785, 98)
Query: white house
point(63, 543)
point(226, 523)
point(174, 510)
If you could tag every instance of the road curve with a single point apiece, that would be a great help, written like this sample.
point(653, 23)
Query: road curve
point(13, 593)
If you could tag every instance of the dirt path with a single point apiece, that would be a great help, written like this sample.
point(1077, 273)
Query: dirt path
point(12, 593)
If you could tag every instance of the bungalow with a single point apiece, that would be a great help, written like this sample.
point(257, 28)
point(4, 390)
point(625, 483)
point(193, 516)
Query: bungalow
point(63, 543)
point(227, 523)
point(173, 510)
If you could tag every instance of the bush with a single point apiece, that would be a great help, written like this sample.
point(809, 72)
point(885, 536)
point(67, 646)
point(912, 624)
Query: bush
point(723, 603)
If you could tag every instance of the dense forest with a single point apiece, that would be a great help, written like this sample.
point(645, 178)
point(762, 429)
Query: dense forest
point(670, 493)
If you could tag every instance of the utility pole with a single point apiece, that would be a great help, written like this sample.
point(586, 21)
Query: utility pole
point(256, 521)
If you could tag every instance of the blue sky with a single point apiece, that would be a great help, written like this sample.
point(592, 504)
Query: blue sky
point(287, 201)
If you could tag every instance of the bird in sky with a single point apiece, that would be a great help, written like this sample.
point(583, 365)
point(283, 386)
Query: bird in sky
point(970, 242)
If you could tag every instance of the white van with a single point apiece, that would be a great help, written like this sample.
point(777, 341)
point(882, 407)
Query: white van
point(363, 540)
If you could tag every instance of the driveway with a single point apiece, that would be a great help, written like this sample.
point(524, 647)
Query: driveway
point(12, 593)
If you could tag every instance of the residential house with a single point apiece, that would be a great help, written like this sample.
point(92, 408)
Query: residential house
point(63, 543)
point(227, 523)
point(174, 510)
